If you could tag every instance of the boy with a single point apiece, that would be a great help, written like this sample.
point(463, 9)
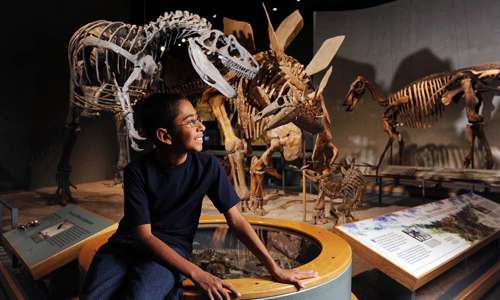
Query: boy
point(147, 257)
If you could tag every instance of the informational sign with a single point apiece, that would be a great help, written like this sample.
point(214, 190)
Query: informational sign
point(56, 239)
point(421, 239)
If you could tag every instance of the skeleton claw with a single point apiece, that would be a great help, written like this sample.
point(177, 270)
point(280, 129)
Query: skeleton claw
point(134, 146)
point(135, 135)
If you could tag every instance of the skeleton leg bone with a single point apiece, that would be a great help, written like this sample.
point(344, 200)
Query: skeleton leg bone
point(123, 96)
point(235, 147)
point(258, 167)
point(472, 105)
point(123, 149)
point(470, 135)
point(71, 130)
point(486, 146)
point(319, 209)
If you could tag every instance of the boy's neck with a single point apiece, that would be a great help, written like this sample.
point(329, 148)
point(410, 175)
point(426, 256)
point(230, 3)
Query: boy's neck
point(169, 158)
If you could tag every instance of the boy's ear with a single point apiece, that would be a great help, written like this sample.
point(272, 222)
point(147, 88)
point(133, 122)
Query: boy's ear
point(164, 136)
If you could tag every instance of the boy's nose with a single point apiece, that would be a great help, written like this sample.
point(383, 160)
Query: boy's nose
point(201, 127)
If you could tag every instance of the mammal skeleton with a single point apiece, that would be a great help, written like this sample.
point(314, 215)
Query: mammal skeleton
point(421, 102)
point(350, 190)
point(114, 65)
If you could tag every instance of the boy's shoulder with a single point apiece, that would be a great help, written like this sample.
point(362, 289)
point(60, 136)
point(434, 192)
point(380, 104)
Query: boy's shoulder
point(204, 157)
point(140, 161)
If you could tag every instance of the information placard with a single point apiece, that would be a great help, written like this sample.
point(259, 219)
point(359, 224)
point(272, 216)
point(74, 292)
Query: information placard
point(416, 244)
point(56, 240)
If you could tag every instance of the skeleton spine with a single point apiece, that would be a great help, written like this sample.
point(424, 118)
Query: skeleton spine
point(95, 70)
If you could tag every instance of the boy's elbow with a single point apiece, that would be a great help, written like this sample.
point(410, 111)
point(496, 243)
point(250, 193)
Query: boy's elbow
point(143, 233)
point(235, 219)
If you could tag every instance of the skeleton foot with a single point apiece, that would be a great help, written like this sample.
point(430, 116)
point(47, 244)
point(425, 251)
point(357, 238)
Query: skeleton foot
point(319, 216)
point(63, 192)
point(467, 161)
point(257, 206)
point(133, 134)
point(118, 177)
point(245, 204)
point(350, 218)
point(260, 211)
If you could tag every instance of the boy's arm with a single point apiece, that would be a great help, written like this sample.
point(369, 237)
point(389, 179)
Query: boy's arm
point(249, 237)
point(212, 286)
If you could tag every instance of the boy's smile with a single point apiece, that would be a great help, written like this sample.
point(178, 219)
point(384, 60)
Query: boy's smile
point(189, 133)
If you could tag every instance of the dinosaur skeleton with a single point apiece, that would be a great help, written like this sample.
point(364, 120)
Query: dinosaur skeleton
point(114, 65)
point(281, 94)
point(422, 102)
point(350, 189)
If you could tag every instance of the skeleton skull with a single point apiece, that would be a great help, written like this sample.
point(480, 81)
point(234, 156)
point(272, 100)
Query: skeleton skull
point(293, 108)
point(356, 91)
point(213, 52)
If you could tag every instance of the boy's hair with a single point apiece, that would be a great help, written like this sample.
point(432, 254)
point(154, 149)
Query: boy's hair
point(159, 111)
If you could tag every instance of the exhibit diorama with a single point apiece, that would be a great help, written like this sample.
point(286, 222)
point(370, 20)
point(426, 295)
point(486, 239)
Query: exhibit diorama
point(359, 136)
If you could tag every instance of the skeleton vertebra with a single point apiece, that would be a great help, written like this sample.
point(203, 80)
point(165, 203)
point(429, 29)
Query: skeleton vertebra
point(281, 94)
point(113, 65)
point(422, 102)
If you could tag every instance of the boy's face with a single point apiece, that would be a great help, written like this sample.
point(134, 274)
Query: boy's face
point(188, 135)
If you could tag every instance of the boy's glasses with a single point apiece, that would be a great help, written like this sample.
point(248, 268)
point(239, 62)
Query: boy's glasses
point(193, 122)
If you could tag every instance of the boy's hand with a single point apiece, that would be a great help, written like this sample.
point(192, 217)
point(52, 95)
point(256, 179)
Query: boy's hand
point(212, 286)
point(292, 276)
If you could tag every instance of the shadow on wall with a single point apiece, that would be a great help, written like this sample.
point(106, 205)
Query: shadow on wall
point(439, 156)
point(418, 65)
point(344, 73)
point(361, 132)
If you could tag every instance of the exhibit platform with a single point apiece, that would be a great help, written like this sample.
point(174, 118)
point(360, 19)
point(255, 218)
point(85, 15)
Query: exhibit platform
point(106, 199)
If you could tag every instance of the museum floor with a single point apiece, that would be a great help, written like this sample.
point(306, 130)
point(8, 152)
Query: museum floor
point(105, 198)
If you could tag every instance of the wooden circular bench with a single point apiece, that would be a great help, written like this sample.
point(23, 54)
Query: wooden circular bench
point(333, 262)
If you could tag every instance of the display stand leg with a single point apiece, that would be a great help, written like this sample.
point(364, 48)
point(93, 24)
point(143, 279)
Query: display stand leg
point(379, 183)
point(63, 283)
point(423, 190)
point(283, 174)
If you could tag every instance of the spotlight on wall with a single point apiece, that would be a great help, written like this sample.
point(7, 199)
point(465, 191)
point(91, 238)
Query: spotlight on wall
point(214, 16)
point(275, 9)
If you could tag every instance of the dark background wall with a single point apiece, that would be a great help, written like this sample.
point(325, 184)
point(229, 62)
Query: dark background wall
point(398, 42)
point(35, 96)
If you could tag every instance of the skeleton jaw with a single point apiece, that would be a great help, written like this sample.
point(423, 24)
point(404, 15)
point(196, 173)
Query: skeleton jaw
point(238, 59)
point(215, 45)
point(350, 102)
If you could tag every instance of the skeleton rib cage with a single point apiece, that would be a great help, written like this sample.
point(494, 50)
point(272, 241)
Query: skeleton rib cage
point(351, 184)
point(424, 105)
point(96, 71)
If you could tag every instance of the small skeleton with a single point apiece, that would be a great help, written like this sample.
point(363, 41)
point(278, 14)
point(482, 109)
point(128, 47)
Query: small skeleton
point(276, 105)
point(350, 190)
point(422, 102)
point(114, 65)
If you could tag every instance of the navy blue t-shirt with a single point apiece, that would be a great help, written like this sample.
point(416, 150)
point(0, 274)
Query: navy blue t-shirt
point(170, 199)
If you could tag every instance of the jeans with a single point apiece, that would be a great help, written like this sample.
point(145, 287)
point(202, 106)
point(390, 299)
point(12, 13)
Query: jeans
point(121, 271)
